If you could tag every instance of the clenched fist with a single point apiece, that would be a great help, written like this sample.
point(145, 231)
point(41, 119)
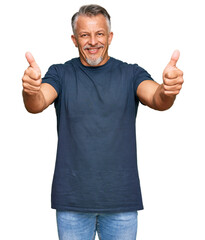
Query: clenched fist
point(32, 76)
point(172, 76)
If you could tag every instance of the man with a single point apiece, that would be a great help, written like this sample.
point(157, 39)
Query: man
point(96, 184)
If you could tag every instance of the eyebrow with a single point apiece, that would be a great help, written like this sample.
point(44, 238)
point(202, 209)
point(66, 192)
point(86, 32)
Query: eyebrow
point(84, 31)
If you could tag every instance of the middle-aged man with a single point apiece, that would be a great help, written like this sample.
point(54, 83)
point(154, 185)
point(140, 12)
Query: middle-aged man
point(96, 184)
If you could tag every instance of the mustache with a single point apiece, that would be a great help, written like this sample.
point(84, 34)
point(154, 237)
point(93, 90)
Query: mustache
point(90, 46)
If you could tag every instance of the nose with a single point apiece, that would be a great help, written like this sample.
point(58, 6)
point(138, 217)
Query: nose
point(93, 40)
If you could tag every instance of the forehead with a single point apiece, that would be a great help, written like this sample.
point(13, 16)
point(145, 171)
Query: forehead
point(89, 23)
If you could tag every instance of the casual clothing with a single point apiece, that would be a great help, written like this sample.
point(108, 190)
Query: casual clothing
point(109, 226)
point(96, 164)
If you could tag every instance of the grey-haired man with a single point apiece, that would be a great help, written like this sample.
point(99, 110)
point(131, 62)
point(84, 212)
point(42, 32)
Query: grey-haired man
point(96, 185)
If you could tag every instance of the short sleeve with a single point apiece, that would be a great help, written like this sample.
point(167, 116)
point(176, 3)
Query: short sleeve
point(140, 75)
point(54, 77)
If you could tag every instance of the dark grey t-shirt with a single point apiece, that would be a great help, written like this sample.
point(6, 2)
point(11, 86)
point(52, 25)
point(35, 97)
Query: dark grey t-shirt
point(96, 164)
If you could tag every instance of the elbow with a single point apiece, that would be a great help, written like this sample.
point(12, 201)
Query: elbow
point(34, 103)
point(162, 105)
point(33, 110)
point(163, 102)
point(161, 109)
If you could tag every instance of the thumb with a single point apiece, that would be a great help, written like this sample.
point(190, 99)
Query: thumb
point(174, 58)
point(32, 61)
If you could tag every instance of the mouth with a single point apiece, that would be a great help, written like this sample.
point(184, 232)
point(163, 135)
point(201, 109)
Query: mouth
point(93, 50)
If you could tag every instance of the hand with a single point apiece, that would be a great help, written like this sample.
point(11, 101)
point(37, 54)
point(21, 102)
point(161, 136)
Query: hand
point(172, 76)
point(32, 76)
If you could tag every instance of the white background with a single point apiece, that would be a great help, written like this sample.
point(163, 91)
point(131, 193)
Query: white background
point(170, 144)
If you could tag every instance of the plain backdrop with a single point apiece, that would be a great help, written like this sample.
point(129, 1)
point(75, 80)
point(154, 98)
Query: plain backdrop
point(170, 144)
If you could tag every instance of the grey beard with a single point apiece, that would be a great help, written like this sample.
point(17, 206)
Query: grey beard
point(94, 62)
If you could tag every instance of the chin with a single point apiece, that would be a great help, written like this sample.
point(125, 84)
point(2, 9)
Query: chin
point(94, 62)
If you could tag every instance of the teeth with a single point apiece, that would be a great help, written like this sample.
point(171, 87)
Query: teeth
point(93, 50)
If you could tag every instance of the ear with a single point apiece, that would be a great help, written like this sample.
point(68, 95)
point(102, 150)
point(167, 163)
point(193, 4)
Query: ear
point(74, 40)
point(110, 37)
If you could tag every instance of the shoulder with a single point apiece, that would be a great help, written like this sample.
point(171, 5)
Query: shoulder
point(137, 72)
point(56, 68)
point(134, 67)
point(125, 65)
point(61, 66)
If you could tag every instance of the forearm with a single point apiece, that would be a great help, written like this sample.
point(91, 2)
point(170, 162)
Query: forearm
point(161, 101)
point(34, 103)
point(161, 97)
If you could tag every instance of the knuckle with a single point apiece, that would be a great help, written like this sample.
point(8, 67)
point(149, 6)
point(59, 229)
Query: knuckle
point(180, 81)
point(24, 78)
point(36, 83)
point(25, 90)
point(171, 75)
point(179, 87)
point(39, 82)
point(28, 92)
point(36, 75)
point(38, 89)
point(167, 82)
point(168, 75)
point(26, 72)
point(24, 85)
point(167, 93)
point(166, 88)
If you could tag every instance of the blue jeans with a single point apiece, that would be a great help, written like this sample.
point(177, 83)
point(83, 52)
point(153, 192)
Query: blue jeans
point(109, 226)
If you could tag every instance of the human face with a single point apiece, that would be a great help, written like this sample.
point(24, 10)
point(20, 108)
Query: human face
point(92, 38)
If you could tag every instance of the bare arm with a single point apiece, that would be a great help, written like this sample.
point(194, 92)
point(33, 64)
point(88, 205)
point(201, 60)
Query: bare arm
point(161, 97)
point(36, 96)
point(36, 103)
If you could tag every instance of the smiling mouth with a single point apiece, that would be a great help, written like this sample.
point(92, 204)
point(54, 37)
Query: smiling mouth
point(93, 50)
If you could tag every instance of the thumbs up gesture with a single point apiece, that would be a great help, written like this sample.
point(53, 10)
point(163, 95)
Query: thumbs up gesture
point(32, 76)
point(172, 76)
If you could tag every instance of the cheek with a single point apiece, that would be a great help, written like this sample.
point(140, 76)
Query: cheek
point(80, 44)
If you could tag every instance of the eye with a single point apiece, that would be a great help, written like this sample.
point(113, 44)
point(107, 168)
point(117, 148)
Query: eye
point(100, 34)
point(84, 35)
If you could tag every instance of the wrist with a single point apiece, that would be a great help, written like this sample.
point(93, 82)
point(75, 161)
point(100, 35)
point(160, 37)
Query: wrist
point(162, 101)
point(166, 95)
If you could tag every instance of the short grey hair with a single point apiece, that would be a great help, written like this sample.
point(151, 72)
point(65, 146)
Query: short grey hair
point(90, 10)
